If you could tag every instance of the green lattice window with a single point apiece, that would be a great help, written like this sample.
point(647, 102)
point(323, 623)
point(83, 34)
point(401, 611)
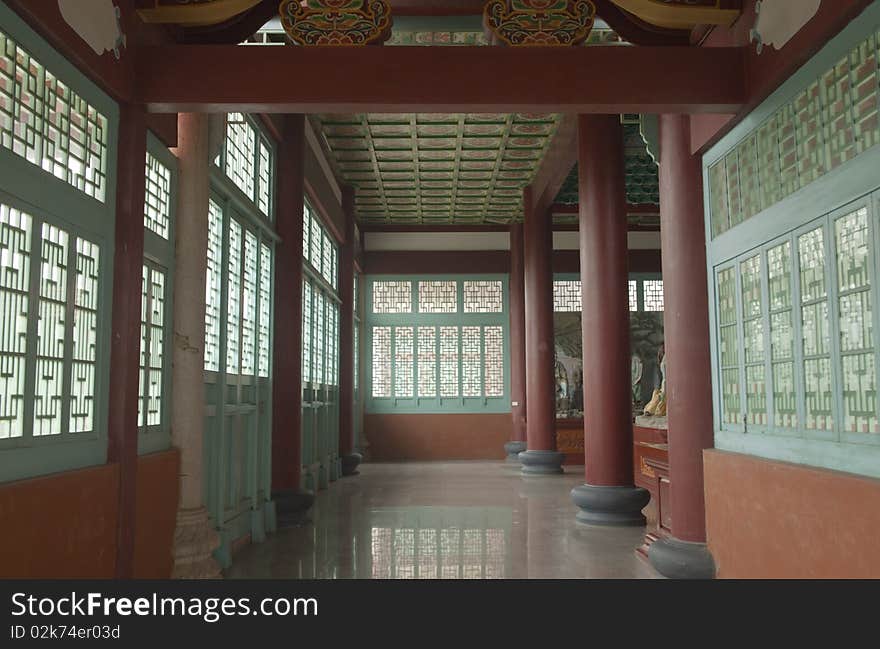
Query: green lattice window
point(644, 292)
point(238, 334)
point(154, 381)
point(320, 251)
point(833, 119)
point(248, 160)
point(50, 287)
point(57, 220)
point(437, 344)
point(822, 364)
point(46, 122)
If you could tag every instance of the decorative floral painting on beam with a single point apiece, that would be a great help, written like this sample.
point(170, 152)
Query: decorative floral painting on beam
point(336, 22)
point(539, 22)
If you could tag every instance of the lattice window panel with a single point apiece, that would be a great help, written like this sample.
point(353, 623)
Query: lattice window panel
point(356, 343)
point(816, 335)
point(779, 274)
point(67, 312)
point(392, 297)
point(145, 343)
point(332, 344)
point(152, 363)
point(264, 193)
point(45, 122)
point(567, 296)
point(334, 267)
point(265, 309)
point(753, 341)
point(438, 297)
point(427, 362)
point(381, 362)
point(653, 294)
point(213, 287)
point(307, 229)
point(249, 306)
point(15, 308)
point(316, 239)
point(51, 327)
point(483, 296)
point(403, 362)
point(858, 374)
point(493, 358)
point(729, 353)
point(157, 203)
point(449, 368)
point(633, 292)
point(239, 159)
point(233, 299)
point(320, 339)
point(307, 332)
point(471, 362)
point(720, 212)
point(834, 119)
point(327, 269)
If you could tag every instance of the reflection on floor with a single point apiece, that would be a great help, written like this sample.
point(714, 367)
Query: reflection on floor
point(449, 520)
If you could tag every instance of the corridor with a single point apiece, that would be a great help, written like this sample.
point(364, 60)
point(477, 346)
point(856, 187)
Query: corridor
point(453, 520)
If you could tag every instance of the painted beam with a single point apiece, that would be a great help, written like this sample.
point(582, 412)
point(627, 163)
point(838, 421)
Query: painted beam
point(600, 79)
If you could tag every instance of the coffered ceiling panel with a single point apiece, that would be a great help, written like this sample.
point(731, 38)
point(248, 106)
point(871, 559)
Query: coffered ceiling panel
point(438, 168)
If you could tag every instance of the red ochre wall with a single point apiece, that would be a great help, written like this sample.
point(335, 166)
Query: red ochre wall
point(428, 437)
point(769, 519)
point(63, 526)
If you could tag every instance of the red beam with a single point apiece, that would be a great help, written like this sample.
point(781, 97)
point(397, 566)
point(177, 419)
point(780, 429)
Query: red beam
point(601, 79)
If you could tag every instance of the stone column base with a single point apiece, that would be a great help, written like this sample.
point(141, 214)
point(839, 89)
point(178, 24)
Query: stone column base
point(350, 463)
point(195, 540)
point(618, 506)
point(541, 462)
point(292, 506)
point(681, 559)
point(513, 449)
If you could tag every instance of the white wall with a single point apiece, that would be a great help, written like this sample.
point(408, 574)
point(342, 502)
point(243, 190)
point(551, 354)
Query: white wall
point(374, 241)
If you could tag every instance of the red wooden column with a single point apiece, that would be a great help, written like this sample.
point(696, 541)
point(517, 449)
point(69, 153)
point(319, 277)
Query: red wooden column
point(541, 458)
point(122, 443)
point(608, 497)
point(287, 353)
point(688, 365)
point(517, 442)
point(350, 459)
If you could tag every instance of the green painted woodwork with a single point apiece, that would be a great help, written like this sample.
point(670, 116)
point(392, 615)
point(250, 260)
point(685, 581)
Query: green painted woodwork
point(238, 343)
point(57, 221)
point(436, 344)
point(642, 180)
point(793, 263)
point(814, 131)
point(320, 350)
point(157, 299)
point(437, 168)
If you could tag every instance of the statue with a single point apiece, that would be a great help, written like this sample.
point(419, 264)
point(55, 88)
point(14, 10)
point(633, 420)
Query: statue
point(657, 406)
point(636, 369)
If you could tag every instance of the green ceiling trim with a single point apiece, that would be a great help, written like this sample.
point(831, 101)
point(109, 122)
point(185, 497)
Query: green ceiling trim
point(642, 179)
point(438, 168)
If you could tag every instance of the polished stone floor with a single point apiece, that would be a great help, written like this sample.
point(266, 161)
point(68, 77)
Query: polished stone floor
point(457, 520)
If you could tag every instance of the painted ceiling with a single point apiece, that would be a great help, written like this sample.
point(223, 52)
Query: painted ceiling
point(438, 168)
